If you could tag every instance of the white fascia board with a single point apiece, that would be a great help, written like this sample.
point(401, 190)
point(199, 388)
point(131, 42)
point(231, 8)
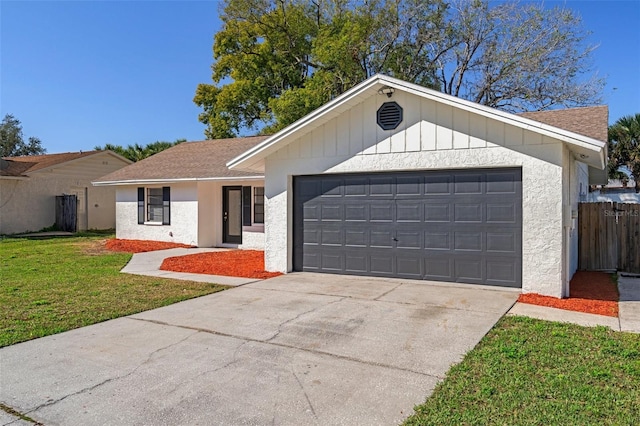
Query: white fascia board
point(169, 181)
point(14, 177)
point(247, 159)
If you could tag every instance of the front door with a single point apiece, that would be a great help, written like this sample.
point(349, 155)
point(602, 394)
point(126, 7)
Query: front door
point(232, 214)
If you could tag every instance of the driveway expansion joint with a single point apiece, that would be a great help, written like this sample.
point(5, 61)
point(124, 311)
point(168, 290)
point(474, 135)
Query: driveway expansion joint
point(299, 316)
point(283, 345)
point(111, 379)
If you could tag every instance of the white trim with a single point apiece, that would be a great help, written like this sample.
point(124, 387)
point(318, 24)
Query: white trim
point(169, 181)
point(246, 160)
point(14, 177)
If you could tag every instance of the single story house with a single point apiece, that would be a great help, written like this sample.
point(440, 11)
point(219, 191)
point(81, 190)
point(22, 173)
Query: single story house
point(186, 194)
point(393, 179)
point(29, 185)
point(389, 179)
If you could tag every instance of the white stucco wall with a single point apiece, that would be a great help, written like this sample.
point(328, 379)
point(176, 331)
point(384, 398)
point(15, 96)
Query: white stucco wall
point(432, 136)
point(196, 216)
point(184, 216)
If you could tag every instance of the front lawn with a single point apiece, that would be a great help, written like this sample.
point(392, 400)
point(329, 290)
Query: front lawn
point(50, 286)
point(532, 372)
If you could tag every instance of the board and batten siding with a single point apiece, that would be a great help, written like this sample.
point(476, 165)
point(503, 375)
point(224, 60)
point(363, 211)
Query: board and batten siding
point(432, 136)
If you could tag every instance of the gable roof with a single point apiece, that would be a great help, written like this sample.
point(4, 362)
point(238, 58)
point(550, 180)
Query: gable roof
point(588, 121)
point(591, 151)
point(23, 166)
point(188, 161)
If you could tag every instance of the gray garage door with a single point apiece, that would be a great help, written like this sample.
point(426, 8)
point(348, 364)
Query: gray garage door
point(454, 225)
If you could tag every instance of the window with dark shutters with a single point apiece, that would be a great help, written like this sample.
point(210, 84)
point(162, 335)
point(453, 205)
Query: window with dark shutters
point(154, 205)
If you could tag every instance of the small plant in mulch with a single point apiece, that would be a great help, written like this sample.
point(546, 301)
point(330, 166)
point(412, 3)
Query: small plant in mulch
point(590, 292)
point(141, 246)
point(233, 263)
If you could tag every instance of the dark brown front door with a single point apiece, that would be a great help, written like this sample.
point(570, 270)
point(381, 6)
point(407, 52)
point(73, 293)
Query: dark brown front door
point(232, 214)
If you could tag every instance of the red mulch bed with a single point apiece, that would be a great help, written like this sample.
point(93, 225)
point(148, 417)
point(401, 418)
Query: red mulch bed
point(140, 246)
point(590, 292)
point(233, 263)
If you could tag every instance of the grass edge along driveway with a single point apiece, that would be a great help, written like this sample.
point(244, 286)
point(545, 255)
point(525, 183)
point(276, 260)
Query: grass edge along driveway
point(54, 285)
point(533, 372)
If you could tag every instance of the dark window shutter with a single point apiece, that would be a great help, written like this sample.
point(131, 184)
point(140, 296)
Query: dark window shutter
point(140, 206)
point(246, 206)
point(166, 205)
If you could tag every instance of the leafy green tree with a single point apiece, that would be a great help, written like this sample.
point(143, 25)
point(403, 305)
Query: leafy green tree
point(137, 152)
point(12, 142)
point(624, 148)
point(275, 61)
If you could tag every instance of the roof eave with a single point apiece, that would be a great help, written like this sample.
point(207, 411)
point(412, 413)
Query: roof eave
point(170, 181)
point(249, 159)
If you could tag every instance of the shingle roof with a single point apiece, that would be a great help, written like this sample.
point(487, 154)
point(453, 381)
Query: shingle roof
point(21, 166)
point(588, 121)
point(188, 160)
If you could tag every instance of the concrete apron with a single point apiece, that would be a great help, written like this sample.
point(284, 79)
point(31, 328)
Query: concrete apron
point(296, 349)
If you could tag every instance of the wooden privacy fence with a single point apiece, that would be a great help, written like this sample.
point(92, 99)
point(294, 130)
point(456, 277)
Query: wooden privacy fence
point(66, 212)
point(609, 237)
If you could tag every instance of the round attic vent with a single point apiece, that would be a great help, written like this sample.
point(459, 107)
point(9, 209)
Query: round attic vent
point(389, 116)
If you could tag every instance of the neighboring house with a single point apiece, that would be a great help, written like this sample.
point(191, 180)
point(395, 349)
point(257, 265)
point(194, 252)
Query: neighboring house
point(186, 194)
point(614, 192)
point(392, 179)
point(29, 185)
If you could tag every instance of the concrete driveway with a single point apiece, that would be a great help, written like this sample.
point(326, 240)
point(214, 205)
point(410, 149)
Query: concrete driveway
point(297, 349)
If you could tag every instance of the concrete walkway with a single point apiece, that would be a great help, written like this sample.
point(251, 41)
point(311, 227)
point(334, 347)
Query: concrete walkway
point(149, 264)
point(628, 316)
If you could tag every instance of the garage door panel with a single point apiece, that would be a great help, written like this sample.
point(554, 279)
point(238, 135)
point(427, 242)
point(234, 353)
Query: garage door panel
point(467, 183)
point(501, 272)
point(356, 213)
point(409, 211)
point(332, 262)
point(331, 237)
point(381, 264)
point(381, 186)
point(437, 212)
point(409, 267)
point(331, 212)
point(468, 241)
point(438, 268)
point(437, 184)
point(437, 240)
point(382, 238)
point(381, 212)
point(409, 240)
point(356, 238)
point(468, 212)
point(501, 213)
point(356, 262)
point(409, 185)
point(501, 242)
point(459, 226)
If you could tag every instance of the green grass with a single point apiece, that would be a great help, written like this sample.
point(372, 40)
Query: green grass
point(531, 372)
point(54, 285)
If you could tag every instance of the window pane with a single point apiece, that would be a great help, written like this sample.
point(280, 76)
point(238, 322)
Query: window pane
point(154, 204)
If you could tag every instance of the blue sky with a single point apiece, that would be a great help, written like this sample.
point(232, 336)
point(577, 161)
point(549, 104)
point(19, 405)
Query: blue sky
point(83, 73)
